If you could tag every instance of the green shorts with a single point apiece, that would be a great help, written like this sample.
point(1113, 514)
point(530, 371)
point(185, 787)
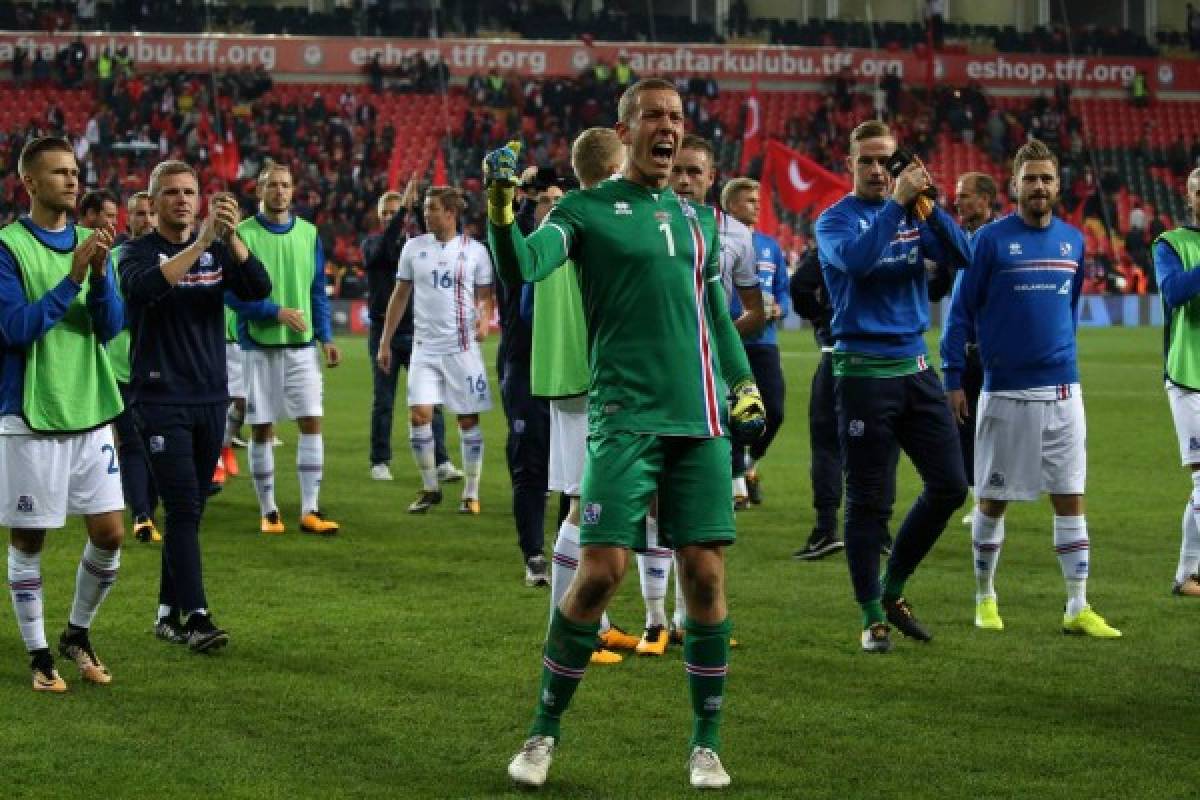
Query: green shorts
point(623, 471)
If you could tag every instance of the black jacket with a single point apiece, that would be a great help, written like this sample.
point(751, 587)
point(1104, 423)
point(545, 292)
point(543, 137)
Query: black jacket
point(177, 333)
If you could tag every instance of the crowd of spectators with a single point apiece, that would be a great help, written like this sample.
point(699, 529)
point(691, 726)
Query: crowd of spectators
point(616, 20)
point(227, 123)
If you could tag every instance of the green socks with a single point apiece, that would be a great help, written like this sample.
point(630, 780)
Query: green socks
point(872, 612)
point(706, 659)
point(569, 647)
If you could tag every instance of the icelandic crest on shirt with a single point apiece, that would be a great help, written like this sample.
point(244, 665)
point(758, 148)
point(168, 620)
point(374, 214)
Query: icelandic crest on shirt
point(1065, 248)
point(1014, 249)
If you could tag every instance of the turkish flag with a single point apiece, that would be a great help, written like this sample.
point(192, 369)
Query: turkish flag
point(801, 183)
point(752, 133)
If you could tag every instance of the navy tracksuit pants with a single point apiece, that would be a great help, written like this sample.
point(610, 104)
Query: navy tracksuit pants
point(875, 416)
point(183, 443)
point(528, 455)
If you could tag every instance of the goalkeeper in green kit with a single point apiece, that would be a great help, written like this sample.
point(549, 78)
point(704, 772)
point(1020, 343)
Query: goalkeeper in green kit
point(664, 356)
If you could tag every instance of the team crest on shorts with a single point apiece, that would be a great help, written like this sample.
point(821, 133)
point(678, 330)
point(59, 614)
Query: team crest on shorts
point(996, 480)
point(157, 444)
point(856, 427)
point(1194, 443)
point(591, 513)
point(25, 504)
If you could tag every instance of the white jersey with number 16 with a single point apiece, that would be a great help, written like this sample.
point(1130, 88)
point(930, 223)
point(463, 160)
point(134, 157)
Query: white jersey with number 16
point(444, 276)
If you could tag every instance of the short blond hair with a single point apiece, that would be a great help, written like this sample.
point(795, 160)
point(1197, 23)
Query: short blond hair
point(1033, 150)
point(735, 186)
point(383, 198)
point(132, 202)
point(594, 154)
point(871, 129)
point(165, 169)
point(270, 166)
point(629, 97)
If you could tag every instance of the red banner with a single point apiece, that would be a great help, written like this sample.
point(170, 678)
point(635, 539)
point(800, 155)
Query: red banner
point(330, 57)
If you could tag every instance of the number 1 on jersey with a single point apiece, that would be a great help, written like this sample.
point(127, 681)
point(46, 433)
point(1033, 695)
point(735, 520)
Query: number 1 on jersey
point(666, 229)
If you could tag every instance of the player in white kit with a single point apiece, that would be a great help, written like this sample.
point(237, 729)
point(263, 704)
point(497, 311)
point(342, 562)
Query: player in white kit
point(448, 275)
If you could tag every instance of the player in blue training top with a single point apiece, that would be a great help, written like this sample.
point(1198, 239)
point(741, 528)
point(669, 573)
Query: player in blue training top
point(873, 245)
point(1020, 296)
point(739, 198)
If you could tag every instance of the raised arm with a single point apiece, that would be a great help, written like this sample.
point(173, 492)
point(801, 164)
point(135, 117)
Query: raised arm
point(521, 259)
point(845, 247)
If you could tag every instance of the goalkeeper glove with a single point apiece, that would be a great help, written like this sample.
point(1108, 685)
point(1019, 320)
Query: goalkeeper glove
point(748, 415)
point(500, 177)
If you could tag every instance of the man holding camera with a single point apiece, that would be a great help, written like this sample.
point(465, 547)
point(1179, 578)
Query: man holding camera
point(873, 245)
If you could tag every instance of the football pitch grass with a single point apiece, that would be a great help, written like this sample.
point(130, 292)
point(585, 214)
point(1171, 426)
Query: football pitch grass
point(401, 658)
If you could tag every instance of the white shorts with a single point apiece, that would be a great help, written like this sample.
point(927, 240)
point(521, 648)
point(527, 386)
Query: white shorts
point(568, 443)
point(233, 370)
point(456, 380)
point(1024, 448)
point(282, 382)
point(45, 478)
point(1185, 410)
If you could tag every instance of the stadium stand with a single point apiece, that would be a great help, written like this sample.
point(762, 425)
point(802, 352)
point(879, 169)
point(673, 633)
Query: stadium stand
point(349, 141)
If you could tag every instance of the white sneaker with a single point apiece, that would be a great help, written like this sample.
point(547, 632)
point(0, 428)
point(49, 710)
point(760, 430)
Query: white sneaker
point(530, 765)
point(381, 472)
point(237, 441)
point(969, 519)
point(705, 770)
point(448, 473)
point(276, 442)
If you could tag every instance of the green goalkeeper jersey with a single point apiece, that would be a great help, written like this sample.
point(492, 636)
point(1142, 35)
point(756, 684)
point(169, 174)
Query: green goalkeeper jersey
point(660, 339)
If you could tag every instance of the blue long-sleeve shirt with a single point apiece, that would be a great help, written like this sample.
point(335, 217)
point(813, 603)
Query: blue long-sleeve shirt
point(771, 266)
point(1178, 285)
point(23, 322)
point(873, 261)
point(263, 310)
point(1021, 297)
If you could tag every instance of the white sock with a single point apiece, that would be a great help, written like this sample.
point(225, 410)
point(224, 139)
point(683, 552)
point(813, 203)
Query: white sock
point(163, 611)
point(471, 442)
point(563, 566)
point(25, 586)
point(1189, 549)
point(739, 487)
point(420, 438)
point(987, 536)
point(310, 465)
point(1072, 547)
point(654, 568)
point(95, 576)
point(233, 422)
point(564, 562)
point(680, 602)
point(262, 469)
